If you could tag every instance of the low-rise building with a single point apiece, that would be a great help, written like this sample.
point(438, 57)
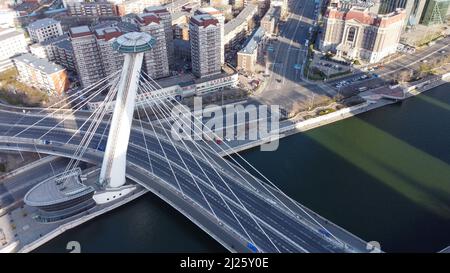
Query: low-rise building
point(358, 34)
point(44, 29)
point(41, 74)
point(136, 6)
point(248, 56)
point(12, 42)
point(270, 20)
point(58, 50)
point(236, 30)
point(96, 8)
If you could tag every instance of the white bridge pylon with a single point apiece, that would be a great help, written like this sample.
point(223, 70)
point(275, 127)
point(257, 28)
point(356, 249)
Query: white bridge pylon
point(133, 45)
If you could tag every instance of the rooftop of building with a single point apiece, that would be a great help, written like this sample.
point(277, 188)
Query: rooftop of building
point(80, 31)
point(226, 72)
point(253, 41)
point(182, 44)
point(26, 6)
point(108, 33)
point(177, 4)
point(39, 64)
point(273, 12)
point(56, 39)
point(363, 16)
point(9, 33)
point(64, 44)
point(179, 14)
point(148, 18)
point(187, 79)
point(156, 9)
point(204, 20)
point(357, 3)
point(41, 23)
point(243, 16)
point(209, 10)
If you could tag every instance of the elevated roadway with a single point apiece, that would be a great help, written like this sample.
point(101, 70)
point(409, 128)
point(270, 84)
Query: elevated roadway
point(289, 228)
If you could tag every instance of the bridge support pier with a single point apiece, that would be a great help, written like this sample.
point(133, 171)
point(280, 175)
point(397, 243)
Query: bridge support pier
point(133, 45)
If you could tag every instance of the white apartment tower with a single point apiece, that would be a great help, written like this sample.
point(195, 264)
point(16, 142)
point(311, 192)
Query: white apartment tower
point(221, 18)
point(166, 19)
point(88, 59)
point(93, 52)
point(156, 61)
point(112, 60)
point(204, 31)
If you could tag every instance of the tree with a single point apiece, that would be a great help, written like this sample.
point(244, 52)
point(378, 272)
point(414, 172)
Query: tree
point(404, 75)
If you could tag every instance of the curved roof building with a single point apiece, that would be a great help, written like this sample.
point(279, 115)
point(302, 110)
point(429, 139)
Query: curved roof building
point(60, 196)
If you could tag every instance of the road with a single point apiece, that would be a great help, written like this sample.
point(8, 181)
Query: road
point(389, 70)
point(14, 188)
point(290, 231)
point(286, 55)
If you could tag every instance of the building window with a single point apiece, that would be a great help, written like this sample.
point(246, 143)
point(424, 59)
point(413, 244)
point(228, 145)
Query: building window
point(351, 34)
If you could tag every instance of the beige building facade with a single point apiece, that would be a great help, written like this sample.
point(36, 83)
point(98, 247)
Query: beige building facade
point(357, 34)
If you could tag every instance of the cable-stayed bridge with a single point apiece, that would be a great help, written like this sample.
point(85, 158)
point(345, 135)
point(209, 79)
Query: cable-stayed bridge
point(229, 199)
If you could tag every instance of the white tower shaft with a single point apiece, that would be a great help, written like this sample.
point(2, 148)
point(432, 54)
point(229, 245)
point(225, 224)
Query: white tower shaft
point(114, 161)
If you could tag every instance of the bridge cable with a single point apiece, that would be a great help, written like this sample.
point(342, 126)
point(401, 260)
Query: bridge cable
point(198, 164)
point(174, 146)
point(61, 107)
point(165, 156)
point(93, 126)
point(257, 180)
point(85, 102)
point(235, 196)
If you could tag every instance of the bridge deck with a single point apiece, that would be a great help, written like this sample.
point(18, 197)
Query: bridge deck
point(289, 231)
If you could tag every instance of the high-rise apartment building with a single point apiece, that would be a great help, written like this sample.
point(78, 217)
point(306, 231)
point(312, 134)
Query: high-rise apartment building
point(221, 18)
point(88, 59)
point(94, 55)
point(156, 60)
point(44, 29)
point(204, 31)
point(166, 20)
point(112, 60)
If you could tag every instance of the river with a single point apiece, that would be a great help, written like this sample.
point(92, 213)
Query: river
point(383, 175)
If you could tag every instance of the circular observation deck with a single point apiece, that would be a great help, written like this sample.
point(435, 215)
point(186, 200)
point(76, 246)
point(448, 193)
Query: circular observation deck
point(134, 42)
